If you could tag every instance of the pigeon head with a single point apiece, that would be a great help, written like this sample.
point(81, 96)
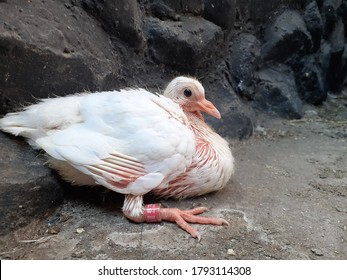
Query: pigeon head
point(190, 95)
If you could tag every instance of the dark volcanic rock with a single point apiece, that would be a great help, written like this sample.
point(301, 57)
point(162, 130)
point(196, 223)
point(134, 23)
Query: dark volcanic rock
point(314, 23)
point(34, 73)
point(285, 37)
point(27, 188)
point(195, 7)
point(120, 18)
point(242, 62)
point(186, 45)
point(41, 57)
point(235, 123)
point(342, 12)
point(337, 38)
point(172, 10)
point(309, 80)
point(329, 15)
point(221, 13)
point(335, 72)
point(162, 11)
point(260, 11)
point(276, 93)
point(324, 60)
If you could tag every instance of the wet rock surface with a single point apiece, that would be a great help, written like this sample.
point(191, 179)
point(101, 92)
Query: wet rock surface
point(275, 57)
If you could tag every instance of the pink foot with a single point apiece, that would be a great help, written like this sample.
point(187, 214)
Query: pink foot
point(181, 217)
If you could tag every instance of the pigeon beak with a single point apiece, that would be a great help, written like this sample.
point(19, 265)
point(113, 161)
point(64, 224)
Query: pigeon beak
point(207, 106)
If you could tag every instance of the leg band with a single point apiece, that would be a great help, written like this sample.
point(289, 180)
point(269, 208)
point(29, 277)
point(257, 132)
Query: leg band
point(152, 213)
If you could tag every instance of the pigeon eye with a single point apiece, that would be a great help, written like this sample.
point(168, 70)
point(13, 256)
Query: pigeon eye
point(187, 92)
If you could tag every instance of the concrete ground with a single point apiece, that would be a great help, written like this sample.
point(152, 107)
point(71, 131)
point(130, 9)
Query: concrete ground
point(287, 200)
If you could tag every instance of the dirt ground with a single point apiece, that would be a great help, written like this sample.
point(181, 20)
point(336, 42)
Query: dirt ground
point(287, 200)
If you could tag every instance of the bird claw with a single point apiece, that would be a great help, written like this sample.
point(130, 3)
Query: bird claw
point(183, 217)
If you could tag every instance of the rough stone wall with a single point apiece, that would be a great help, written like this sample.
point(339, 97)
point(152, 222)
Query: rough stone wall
point(60, 47)
point(250, 55)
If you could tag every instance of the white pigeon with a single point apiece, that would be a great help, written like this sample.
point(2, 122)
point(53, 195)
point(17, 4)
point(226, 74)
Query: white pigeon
point(133, 142)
